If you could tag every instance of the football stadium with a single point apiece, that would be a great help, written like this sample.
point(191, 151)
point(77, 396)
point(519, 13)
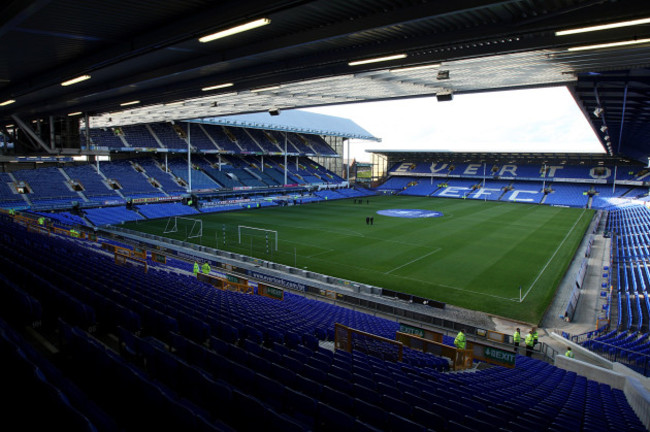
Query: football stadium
point(187, 247)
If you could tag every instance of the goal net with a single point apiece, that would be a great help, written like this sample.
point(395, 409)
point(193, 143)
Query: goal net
point(190, 228)
point(270, 236)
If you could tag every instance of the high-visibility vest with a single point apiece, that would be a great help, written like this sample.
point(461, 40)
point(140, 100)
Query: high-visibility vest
point(535, 336)
point(206, 268)
point(530, 341)
point(459, 342)
point(517, 337)
point(569, 354)
point(196, 268)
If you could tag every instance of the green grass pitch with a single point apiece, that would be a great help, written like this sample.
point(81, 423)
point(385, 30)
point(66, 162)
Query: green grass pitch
point(475, 256)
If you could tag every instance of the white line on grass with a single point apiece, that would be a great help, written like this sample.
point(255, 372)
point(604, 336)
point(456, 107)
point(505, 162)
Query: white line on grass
point(465, 290)
point(412, 261)
point(320, 253)
point(552, 256)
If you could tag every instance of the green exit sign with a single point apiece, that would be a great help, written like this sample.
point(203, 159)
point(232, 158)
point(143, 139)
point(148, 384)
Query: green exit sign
point(403, 328)
point(499, 356)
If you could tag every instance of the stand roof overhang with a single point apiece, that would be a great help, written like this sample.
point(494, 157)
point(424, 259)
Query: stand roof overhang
point(135, 52)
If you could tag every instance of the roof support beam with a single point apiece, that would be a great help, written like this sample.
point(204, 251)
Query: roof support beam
point(30, 133)
point(620, 134)
point(12, 15)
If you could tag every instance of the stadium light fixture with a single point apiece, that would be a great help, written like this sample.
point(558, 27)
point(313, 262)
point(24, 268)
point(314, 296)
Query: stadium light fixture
point(130, 103)
point(216, 87)
point(7, 102)
point(610, 45)
point(377, 59)
point(263, 89)
point(609, 26)
point(604, 128)
point(415, 68)
point(75, 114)
point(234, 30)
point(598, 111)
point(75, 80)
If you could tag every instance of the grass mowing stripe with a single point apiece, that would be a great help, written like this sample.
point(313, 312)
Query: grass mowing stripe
point(553, 256)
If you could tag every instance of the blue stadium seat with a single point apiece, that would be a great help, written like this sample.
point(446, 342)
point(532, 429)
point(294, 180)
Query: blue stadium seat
point(301, 407)
point(370, 413)
point(269, 390)
point(330, 418)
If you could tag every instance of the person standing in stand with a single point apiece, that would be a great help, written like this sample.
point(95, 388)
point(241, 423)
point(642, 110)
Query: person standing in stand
point(530, 343)
point(460, 341)
point(516, 337)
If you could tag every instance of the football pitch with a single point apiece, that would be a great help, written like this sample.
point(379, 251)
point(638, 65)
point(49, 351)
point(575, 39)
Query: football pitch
point(476, 255)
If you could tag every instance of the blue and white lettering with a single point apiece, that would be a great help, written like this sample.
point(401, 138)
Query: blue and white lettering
point(472, 169)
point(516, 193)
point(403, 168)
point(437, 170)
point(606, 173)
point(485, 191)
point(508, 168)
point(453, 191)
point(550, 170)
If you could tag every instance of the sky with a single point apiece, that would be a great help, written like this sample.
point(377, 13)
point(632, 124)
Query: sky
point(532, 120)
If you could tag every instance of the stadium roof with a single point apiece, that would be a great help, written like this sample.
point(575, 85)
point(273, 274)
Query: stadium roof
point(504, 158)
point(296, 121)
point(151, 57)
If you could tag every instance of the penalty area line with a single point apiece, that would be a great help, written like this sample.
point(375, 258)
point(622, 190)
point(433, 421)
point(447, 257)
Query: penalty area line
point(415, 260)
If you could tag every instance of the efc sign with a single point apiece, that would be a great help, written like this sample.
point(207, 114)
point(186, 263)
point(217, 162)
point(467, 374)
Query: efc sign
point(500, 357)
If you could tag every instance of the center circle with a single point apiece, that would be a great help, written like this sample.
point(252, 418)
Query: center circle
point(410, 213)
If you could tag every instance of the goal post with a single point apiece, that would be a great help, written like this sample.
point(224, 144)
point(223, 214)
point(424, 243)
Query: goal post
point(172, 225)
point(267, 232)
point(193, 227)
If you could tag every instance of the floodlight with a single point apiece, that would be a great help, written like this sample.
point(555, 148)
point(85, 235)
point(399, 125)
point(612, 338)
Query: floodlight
point(237, 29)
point(7, 102)
point(377, 59)
point(415, 68)
point(598, 111)
point(610, 45)
point(603, 128)
point(75, 80)
point(218, 86)
point(604, 27)
point(263, 89)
